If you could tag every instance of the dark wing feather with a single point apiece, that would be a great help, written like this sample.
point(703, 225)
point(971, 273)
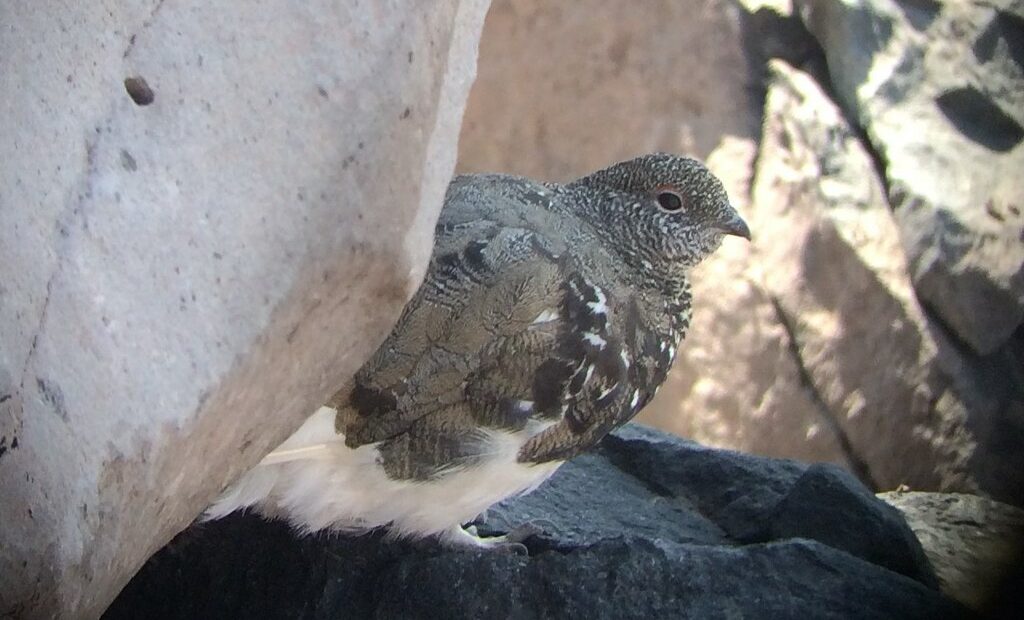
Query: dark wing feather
point(465, 342)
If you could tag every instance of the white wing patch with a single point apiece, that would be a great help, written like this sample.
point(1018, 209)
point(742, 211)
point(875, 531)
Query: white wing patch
point(545, 317)
point(601, 305)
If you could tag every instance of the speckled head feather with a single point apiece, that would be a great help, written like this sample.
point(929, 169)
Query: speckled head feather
point(660, 208)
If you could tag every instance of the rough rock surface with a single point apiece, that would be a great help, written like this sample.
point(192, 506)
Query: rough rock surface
point(812, 342)
point(828, 314)
point(648, 527)
point(210, 216)
point(976, 546)
point(566, 87)
point(939, 88)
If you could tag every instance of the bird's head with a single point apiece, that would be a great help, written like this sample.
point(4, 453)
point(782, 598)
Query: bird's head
point(666, 210)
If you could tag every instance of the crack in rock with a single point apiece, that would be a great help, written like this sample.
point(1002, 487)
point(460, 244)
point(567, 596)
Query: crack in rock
point(857, 464)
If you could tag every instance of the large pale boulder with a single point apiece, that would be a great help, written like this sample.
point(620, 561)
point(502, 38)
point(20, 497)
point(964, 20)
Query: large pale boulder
point(939, 89)
point(211, 213)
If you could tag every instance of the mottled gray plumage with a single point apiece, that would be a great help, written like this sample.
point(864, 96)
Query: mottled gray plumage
point(465, 354)
point(550, 313)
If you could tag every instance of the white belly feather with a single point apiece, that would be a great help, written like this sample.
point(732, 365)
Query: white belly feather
point(319, 484)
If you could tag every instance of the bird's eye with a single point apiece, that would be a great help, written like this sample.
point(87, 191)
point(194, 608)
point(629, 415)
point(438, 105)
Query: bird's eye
point(670, 201)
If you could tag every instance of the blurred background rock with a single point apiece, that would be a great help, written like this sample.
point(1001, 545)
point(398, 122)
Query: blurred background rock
point(874, 148)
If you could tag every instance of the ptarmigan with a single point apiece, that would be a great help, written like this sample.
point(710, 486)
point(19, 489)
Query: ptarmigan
point(549, 315)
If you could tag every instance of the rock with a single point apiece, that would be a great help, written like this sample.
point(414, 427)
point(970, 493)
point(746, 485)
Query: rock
point(938, 88)
point(211, 215)
point(736, 491)
point(830, 261)
point(564, 88)
point(633, 531)
point(815, 345)
point(829, 505)
point(976, 546)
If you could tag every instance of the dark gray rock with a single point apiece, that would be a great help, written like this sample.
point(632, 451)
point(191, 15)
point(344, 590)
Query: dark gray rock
point(829, 505)
point(648, 527)
point(736, 491)
point(578, 509)
point(641, 578)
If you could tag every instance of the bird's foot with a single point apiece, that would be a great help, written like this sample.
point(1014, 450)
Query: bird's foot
point(511, 542)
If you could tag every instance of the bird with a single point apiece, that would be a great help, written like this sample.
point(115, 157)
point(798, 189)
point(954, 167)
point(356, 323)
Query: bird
point(548, 316)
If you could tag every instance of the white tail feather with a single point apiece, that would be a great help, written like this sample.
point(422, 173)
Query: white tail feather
point(315, 481)
point(295, 454)
point(313, 440)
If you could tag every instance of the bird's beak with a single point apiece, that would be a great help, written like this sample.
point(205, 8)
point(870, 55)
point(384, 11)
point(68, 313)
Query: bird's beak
point(735, 226)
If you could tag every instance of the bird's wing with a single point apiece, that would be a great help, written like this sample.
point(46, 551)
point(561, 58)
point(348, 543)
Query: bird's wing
point(486, 286)
point(504, 332)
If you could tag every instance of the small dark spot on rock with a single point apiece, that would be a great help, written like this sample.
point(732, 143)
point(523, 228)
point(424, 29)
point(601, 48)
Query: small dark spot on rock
point(410, 57)
point(68, 79)
point(920, 13)
point(52, 396)
point(323, 92)
point(128, 162)
point(361, 145)
point(218, 255)
point(990, 208)
point(1005, 31)
point(14, 443)
point(139, 90)
point(406, 113)
point(979, 119)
